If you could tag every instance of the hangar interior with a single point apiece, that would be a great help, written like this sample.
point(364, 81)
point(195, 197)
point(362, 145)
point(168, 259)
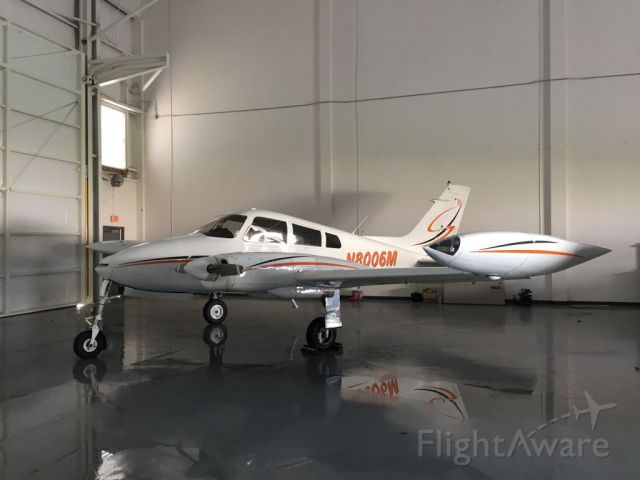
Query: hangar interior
point(143, 119)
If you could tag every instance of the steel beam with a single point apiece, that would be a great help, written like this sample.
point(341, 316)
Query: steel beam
point(113, 70)
point(113, 25)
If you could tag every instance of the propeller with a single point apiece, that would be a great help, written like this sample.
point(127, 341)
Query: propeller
point(209, 268)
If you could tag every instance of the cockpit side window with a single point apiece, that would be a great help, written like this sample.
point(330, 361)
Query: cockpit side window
point(227, 226)
point(333, 241)
point(306, 236)
point(267, 230)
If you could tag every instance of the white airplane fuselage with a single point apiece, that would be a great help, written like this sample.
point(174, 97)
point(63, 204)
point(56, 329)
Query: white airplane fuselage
point(268, 266)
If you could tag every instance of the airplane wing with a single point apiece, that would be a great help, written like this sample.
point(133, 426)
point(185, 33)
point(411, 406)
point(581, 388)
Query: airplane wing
point(109, 247)
point(383, 276)
point(351, 275)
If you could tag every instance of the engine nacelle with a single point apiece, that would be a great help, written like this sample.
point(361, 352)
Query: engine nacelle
point(299, 292)
point(509, 255)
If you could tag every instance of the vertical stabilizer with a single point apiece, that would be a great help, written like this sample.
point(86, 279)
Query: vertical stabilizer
point(443, 218)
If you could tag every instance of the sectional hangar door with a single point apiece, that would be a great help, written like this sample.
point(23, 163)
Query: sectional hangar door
point(43, 201)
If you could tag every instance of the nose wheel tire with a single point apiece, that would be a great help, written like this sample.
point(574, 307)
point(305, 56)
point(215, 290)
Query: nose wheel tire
point(215, 335)
point(319, 337)
point(215, 311)
point(84, 348)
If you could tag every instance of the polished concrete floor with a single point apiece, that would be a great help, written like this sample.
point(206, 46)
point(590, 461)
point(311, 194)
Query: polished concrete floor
point(417, 391)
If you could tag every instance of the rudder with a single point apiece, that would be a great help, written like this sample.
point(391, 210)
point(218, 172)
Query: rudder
point(442, 219)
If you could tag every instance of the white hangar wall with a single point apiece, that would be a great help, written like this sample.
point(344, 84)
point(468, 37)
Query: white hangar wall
point(603, 146)
point(229, 56)
point(435, 80)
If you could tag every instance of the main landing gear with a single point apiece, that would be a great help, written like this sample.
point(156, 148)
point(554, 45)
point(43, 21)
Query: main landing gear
point(90, 343)
point(215, 310)
point(322, 331)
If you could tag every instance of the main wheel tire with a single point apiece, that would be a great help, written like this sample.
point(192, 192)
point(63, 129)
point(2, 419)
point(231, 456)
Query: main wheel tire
point(319, 337)
point(82, 344)
point(214, 335)
point(215, 311)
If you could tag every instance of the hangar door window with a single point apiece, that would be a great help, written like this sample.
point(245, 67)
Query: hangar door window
point(306, 236)
point(113, 138)
point(267, 230)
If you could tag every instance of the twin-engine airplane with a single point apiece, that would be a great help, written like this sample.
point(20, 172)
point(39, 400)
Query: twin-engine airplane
point(263, 253)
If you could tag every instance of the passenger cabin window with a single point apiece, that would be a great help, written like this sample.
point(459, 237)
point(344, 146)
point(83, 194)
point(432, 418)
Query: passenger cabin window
point(306, 236)
point(267, 230)
point(223, 227)
point(333, 241)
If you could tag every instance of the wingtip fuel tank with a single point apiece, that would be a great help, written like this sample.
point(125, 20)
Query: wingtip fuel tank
point(510, 255)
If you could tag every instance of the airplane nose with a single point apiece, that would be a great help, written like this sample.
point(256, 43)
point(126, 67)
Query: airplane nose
point(589, 252)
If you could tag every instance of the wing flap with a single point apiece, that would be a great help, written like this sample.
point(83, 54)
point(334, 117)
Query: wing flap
point(384, 276)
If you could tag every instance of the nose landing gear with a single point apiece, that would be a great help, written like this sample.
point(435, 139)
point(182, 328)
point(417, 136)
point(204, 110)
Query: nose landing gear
point(90, 343)
point(86, 347)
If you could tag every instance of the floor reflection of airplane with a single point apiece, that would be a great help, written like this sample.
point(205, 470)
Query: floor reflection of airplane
point(443, 396)
point(213, 423)
point(264, 253)
point(593, 409)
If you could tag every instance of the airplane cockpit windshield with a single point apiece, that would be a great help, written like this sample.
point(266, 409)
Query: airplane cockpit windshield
point(226, 226)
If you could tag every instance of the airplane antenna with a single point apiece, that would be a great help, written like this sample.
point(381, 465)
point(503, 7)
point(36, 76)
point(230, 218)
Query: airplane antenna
point(359, 225)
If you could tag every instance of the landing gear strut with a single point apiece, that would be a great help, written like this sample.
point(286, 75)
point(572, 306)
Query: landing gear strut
point(90, 343)
point(322, 331)
point(215, 310)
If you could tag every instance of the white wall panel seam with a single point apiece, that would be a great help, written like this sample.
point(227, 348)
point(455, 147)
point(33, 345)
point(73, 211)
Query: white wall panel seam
point(48, 193)
point(403, 96)
point(38, 78)
point(32, 32)
point(42, 155)
point(46, 233)
point(5, 166)
point(51, 13)
point(35, 116)
point(52, 271)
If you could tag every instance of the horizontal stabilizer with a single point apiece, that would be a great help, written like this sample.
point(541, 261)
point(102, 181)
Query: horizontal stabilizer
point(112, 246)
